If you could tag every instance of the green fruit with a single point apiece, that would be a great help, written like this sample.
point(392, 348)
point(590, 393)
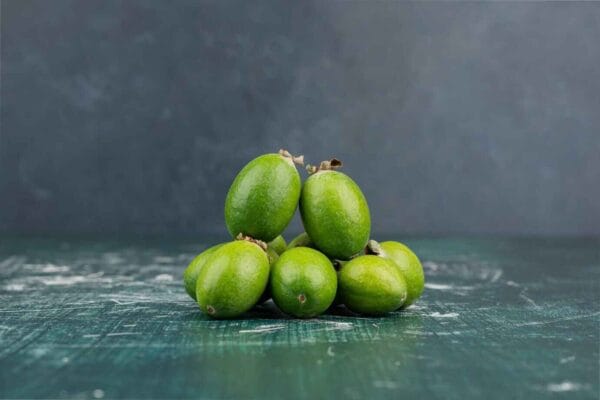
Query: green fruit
point(335, 214)
point(372, 285)
point(302, 240)
point(190, 275)
point(410, 267)
point(278, 244)
point(263, 197)
point(232, 279)
point(303, 282)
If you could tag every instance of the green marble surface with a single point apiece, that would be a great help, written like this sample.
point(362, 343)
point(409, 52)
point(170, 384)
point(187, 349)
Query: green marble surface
point(500, 318)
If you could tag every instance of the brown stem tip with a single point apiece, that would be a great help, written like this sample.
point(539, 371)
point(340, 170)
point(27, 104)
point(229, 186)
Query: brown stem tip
point(327, 165)
point(250, 239)
point(373, 248)
point(299, 160)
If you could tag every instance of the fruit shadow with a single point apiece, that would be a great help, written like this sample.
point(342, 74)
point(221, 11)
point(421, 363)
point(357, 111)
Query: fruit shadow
point(268, 310)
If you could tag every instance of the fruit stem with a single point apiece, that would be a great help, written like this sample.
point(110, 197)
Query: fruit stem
point(250, 239)
point(299, 160)
point(373, 248)
point(327, 165)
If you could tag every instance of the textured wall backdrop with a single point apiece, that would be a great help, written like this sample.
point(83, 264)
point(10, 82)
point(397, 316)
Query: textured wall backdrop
point(134, 116)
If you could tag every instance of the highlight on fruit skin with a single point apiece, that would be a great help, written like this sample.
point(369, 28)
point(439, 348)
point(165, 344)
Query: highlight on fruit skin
point(264, 196)
point(334, 212)
point(233, 279)
point(371, 285)
point(408, 264)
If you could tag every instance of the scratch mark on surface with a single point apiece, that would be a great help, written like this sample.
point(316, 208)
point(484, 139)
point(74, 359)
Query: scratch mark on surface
point(122, 303)
point(335, 325)
point(13, 261)
point(441, 286)
point(565, 386)
point(431, 266)
point(15, 287)
point(437, 286)
point(528, 299)
point(263, 328)
point(124, 300)
point(496, 276)
point(567, 359)
point(512, 283)
point(420, 333)
point(558, 320)
point(164, 278)
point(439, 315)
point(330, 352)
point(51, 268)
point(94, 335)
point(123, 333)
point(46, 309)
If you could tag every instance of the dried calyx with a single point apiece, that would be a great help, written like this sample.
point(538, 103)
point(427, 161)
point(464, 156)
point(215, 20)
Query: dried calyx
point(373, 248)
point(294, 159)
point(327, 165)
point(257, 242)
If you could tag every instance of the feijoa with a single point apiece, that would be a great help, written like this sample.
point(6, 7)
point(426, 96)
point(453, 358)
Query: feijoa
point(409, 265)
point(371, 285)
point(278, 244)
point(303, 282)
point(263, 197)
point(190, 275)
point(335, 213)
point(232, 279)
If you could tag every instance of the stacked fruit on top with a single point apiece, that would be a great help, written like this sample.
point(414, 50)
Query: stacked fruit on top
point(332, 263)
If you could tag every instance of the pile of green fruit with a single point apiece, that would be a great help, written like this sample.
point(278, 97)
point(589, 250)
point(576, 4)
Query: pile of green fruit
point(332, 263)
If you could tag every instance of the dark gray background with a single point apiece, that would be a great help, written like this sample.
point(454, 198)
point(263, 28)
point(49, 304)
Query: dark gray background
point(134, 117)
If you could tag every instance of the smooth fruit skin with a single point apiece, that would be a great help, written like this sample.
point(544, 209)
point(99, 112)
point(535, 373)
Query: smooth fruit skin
point(278, 244)
point(371, 285)
point(409, 265)
point(233, 279)
point(335, 214)
point(303, 282)
point(263, 198)
point(190, 275)
point(302, 240)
